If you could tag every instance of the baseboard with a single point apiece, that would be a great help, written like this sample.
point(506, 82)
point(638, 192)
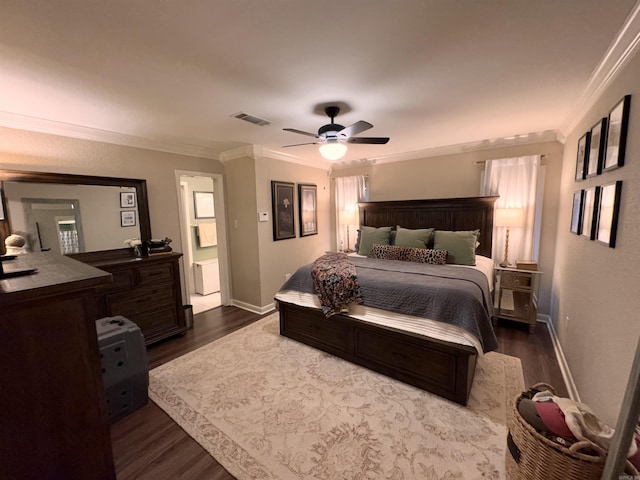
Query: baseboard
point(562, 361)
point(253, 308)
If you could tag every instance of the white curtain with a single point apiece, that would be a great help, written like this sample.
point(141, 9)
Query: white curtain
point(349, 191)
point(516, 181)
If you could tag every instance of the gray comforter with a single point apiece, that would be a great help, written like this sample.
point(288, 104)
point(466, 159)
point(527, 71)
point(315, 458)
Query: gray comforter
point(455, 295)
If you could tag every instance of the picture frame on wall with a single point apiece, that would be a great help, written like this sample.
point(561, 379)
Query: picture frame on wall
point(127, 199)
point(583, 156)
point(596, 148)
point(308, 209)
point(127, 218)
point(203, 206)
point(618, 125)
point(282, 201)
point(608, 210)
point(589, 212)
point(576, 212)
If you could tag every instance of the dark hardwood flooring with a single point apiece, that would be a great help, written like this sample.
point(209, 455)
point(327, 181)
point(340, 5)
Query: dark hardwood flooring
point(148, 445)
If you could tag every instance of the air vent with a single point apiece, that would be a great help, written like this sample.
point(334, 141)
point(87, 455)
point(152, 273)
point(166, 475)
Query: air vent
point(247, 117)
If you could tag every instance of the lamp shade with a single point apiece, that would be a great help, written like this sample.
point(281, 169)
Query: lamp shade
point(347, 217)
point(333, 150)
point(508, 217)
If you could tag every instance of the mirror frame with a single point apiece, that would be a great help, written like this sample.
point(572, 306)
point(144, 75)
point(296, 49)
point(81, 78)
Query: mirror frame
point(70, 179)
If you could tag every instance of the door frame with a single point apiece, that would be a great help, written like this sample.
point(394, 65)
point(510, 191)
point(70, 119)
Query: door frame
point(221, 228)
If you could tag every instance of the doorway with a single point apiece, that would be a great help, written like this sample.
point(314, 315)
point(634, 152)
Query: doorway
point(203, 235)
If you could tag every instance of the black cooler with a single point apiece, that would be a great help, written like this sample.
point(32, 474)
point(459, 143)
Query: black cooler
point(124, 365)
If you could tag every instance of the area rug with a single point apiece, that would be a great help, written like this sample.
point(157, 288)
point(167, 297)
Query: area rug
point(267, 407)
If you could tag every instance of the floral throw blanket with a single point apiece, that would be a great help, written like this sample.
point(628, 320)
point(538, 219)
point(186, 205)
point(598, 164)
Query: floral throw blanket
point(335, 282)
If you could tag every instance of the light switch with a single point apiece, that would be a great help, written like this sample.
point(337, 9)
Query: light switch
point(263, 216)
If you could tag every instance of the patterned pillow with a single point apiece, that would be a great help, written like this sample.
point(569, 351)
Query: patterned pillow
point(408, 254)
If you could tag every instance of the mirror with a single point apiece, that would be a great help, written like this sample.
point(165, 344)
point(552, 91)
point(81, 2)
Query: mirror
point(72, 214)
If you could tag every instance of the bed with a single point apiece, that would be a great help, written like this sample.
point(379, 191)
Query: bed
point(402, 350)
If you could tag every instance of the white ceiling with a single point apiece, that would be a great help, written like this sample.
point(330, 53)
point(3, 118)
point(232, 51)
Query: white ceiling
point(430, 74)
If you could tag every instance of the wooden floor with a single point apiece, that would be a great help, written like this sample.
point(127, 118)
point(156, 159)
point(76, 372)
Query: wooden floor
point(148, 445)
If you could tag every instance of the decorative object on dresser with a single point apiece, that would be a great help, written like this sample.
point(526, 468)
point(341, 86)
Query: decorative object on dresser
point(54, 414)
point(508, 218)
point(442, 367)
point(515, 294)
point(145, 290)
point(268, 407)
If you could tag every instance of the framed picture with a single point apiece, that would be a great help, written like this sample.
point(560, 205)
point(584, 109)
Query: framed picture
point(617, 134)
point(282, 206)
point(308, 209)
point(596, 148)
point(203, 205)
point(576, 212)
point(127, 199)
point(589, 212)
point(583, 156)
point(608, 210)
point(128, 218)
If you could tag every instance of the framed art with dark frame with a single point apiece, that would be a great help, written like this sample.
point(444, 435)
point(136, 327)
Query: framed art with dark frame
point(589, 212)
point(308, 209)
point(127, 218)
point(282, 202)
point(127, 199)
point(203, 205)
point(608, 210)
point(617, 134)
point(582, 156)
point(596, 148)
point(576, 212)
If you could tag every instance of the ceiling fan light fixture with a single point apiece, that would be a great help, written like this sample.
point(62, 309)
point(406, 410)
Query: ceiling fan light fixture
point(333, 150)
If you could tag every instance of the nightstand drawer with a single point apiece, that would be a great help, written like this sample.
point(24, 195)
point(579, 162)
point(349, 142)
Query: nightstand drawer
point(516, 280)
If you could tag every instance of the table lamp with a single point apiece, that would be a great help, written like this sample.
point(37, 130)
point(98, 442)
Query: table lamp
point(508, 217)
point(347, 218)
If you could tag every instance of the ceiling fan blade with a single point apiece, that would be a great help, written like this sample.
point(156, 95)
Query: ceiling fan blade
point(356, 128)
point(373, 140)
point(298, 144)
point(293, 130)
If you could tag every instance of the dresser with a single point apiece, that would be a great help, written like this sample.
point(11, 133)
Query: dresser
point(53, 415)
point(515, 295)
point(145, 290)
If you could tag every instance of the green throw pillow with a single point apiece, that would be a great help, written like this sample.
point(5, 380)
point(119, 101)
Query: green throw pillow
point(461, 245)
point(419, 238)
point(371, 235)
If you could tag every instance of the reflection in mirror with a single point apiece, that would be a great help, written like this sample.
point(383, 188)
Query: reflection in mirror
point(72, 214)
point(68, 218)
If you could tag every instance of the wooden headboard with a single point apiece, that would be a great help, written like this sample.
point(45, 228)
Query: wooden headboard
point(442, 214)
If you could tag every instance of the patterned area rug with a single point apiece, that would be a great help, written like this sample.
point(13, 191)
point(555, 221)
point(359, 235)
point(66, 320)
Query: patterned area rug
point(267, 407)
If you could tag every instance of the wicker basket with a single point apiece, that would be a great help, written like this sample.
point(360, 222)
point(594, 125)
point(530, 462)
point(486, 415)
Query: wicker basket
point(532, 456)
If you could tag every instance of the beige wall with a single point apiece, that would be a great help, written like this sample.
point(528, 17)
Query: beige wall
point(595, 291)
point(22, 150)
point(458, 175)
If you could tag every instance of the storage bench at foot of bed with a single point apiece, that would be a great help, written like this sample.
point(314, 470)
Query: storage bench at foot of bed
point(439, 367)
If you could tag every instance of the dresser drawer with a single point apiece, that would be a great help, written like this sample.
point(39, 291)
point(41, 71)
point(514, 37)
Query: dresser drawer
point(141, 299)
point(161, 272)
point(122, 279)
point(516, 280)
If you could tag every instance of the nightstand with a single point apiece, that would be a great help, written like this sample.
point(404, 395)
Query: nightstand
point(515, 295)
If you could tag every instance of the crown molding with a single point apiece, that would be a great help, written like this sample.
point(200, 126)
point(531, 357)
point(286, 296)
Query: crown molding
point(516, 140)
point(624, 46)
point(259, 151)
point(41, 125)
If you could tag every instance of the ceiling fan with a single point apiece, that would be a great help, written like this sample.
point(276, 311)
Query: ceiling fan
point(332, 137)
